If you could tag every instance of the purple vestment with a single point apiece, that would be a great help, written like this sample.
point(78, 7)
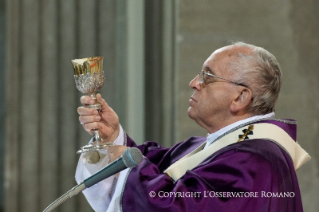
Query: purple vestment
point(258, 173)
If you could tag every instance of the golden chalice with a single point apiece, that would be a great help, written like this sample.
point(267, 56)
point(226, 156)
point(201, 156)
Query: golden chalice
point(89, 78)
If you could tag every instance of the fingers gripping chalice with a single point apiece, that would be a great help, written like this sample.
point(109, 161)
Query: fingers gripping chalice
point(89, 78)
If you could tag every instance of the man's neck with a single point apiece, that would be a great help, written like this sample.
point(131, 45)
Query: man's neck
point(227, 121)
point(213, 136)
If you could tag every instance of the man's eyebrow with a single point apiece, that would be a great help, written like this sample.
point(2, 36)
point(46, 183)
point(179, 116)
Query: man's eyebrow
point(206, 68)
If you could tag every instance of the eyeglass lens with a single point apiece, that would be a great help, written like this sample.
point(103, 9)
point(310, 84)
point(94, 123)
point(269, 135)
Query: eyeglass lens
point(201, 76)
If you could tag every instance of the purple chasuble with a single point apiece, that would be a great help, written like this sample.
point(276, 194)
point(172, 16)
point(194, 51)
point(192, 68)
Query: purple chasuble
point(252, 175)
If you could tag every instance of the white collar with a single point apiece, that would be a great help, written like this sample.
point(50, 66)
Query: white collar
point(213, 136)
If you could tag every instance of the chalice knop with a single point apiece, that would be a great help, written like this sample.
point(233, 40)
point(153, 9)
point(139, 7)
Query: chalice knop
point(89, 78)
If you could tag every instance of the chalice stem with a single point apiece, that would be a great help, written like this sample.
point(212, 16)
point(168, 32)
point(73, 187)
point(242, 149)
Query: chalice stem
point(96, 106)
point(93, 96)
point(96, 136)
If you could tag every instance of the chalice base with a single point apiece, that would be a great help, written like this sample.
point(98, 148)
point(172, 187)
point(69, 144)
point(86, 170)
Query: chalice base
point(94, 147)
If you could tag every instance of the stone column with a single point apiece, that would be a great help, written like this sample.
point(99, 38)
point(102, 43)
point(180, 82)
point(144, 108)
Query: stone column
point(42, 127)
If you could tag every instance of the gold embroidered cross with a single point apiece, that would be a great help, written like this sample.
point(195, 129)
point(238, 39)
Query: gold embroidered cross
point(249, 131)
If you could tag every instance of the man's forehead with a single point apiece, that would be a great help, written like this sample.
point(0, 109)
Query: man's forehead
point(215, 60)
point(222, 55)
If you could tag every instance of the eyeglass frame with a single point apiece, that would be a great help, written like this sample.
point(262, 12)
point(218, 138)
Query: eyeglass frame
point(201, 80)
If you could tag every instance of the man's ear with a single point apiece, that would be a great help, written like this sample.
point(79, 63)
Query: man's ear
point(242, 100)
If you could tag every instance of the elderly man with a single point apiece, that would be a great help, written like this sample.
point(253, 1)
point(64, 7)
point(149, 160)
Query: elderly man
point(246, 163)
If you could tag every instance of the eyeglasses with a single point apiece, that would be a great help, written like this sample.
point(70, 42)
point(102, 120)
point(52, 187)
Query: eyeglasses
point(203, 79)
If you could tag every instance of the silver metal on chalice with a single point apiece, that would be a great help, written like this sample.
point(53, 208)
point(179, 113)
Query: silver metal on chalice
point(89, 78)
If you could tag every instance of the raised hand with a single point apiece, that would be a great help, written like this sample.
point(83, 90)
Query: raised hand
point(106, 121)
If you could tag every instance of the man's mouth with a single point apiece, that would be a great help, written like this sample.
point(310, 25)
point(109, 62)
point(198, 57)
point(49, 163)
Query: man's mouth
point(192, 99)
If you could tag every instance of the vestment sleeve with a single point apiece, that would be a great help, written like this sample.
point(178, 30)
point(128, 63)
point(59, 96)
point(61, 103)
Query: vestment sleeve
point(99, 195)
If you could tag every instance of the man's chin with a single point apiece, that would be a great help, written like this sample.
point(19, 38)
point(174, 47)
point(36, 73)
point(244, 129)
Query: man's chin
point(190, 113)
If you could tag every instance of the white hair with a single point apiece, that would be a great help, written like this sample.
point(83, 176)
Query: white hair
point(261, 72)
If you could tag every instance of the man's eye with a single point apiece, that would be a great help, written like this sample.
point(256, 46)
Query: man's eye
point(209, 79)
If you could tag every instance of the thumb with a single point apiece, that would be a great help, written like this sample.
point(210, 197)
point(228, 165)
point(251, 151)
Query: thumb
point(104, 105)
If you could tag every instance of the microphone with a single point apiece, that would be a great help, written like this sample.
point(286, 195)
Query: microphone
point(132, 157)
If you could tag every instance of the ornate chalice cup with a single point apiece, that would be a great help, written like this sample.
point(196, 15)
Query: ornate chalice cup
point(89, 78)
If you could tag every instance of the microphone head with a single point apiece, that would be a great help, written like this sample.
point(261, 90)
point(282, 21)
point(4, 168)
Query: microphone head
point(132, 157)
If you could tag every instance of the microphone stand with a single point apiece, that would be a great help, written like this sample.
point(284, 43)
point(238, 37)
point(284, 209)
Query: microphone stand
point(74, 191)
point(129, 159)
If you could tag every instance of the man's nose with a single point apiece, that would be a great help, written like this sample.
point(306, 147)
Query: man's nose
point(195, 83)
